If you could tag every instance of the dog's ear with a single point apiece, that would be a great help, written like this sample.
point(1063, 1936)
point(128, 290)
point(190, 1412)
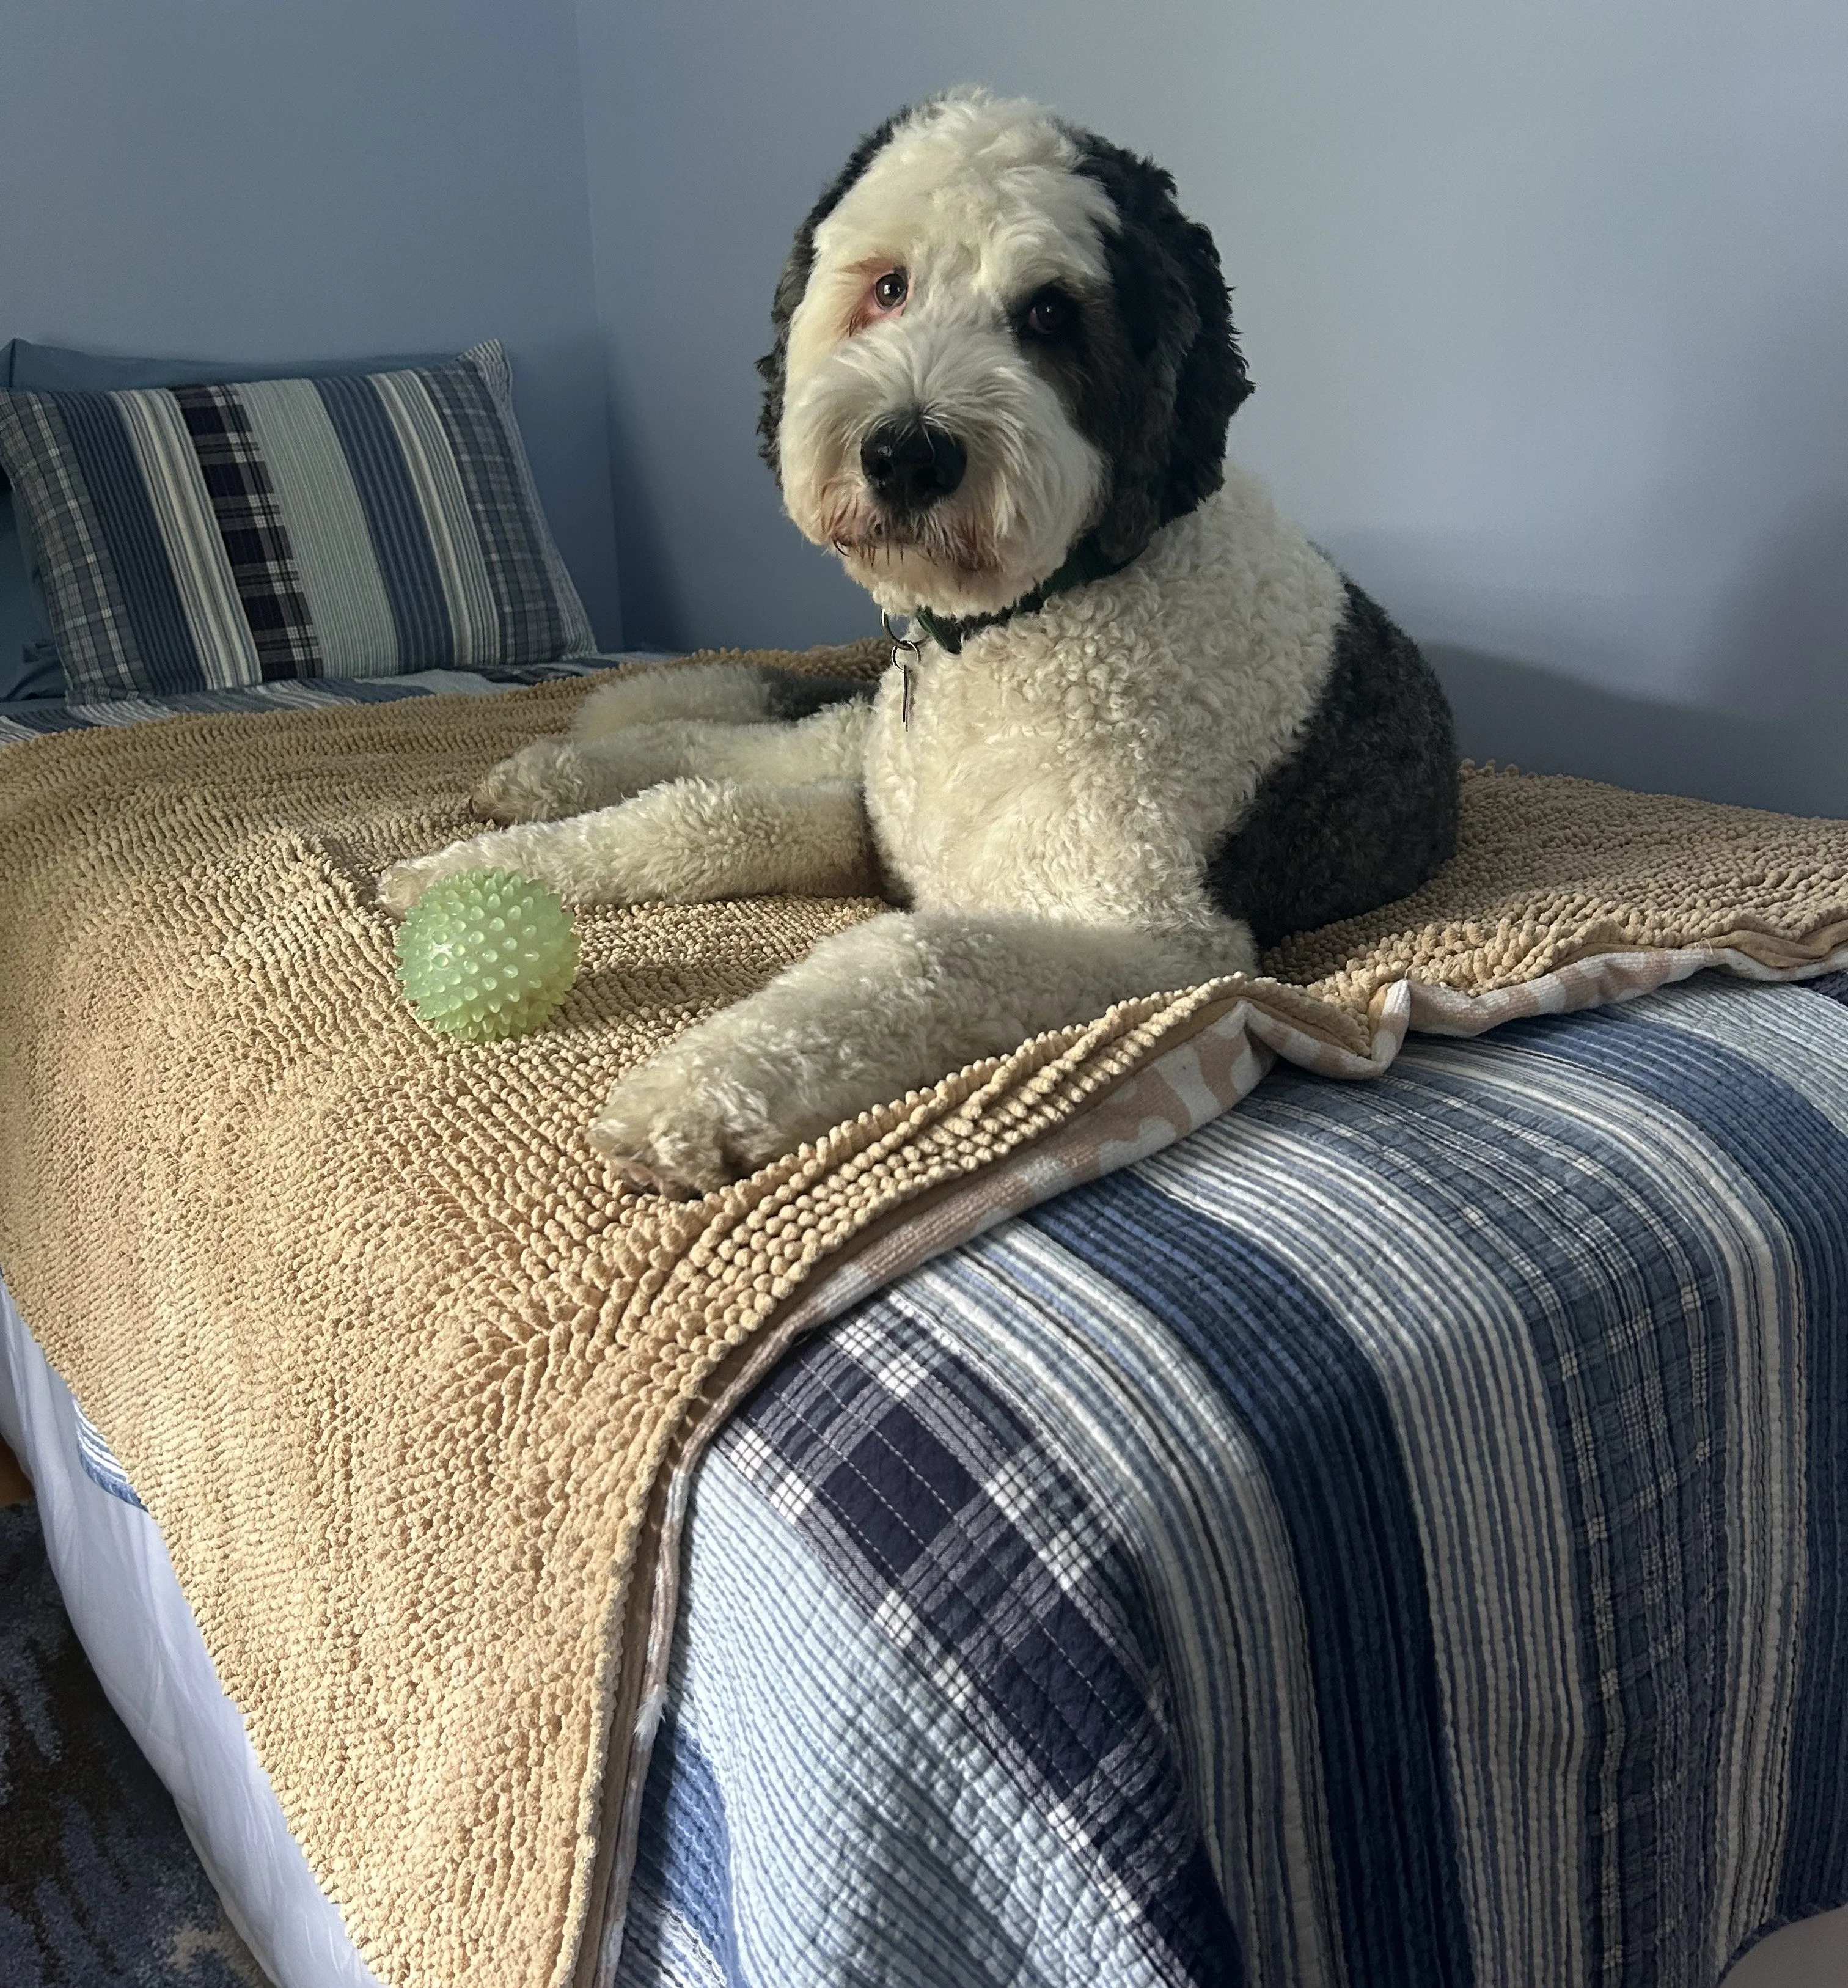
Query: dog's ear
point(792, 284)
point(1177, 317)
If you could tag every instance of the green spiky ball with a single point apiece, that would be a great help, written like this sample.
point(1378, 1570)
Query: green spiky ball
point(485, 954)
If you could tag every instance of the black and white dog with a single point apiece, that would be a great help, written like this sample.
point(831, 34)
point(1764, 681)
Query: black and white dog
point(1146, 726)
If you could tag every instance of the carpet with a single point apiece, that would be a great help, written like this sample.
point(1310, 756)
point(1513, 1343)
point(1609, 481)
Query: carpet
point(98, 1887)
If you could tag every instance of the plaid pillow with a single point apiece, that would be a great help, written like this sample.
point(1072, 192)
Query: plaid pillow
point(197, 538)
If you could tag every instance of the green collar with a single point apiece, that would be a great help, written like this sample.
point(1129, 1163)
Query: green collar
point(1083, 564)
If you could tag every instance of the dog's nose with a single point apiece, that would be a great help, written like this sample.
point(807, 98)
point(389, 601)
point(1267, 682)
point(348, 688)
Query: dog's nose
point(909, 465)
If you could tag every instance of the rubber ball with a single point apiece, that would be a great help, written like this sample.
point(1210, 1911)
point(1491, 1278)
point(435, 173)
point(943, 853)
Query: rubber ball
point(485, 954)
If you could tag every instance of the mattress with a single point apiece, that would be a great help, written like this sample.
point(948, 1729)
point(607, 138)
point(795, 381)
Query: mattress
point(1393, 1536)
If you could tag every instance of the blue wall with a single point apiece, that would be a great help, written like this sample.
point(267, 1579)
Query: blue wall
point(279, 179)
point(1545, 307)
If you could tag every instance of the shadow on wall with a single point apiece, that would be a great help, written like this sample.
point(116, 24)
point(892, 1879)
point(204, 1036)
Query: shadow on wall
point(1763, 709)
point(1780, 645)
point(1774, 733)
point(1545, 723)
point(652, 616)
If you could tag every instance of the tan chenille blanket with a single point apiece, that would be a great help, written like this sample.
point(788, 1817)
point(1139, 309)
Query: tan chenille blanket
point(407, 1382)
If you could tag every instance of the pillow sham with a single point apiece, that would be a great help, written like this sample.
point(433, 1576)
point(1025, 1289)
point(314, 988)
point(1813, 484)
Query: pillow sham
point(29, 667)
point(25, 642)
point(63, 369)
point(206, 535)
point(28, 664)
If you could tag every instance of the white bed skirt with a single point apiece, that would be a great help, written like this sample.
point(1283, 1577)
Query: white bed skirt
point(146, 1649)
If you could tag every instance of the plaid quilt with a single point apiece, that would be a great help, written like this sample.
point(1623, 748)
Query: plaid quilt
point(1395, 1537)
point(33, 718)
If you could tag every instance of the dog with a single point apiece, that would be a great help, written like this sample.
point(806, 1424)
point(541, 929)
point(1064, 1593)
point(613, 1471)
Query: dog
point(1137, 728)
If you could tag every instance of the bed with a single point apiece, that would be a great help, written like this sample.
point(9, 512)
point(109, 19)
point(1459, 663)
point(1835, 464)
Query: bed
point(1390, 1535)
point(1394, 1534)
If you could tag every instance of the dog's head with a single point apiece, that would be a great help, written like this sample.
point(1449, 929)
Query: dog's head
point(996, 337)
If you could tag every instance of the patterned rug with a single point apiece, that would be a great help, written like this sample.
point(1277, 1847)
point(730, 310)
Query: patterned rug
point(98, 1887)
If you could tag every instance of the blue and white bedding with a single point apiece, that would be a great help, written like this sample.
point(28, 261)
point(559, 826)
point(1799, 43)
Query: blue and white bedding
point(33, 718)
point(1394, 1536)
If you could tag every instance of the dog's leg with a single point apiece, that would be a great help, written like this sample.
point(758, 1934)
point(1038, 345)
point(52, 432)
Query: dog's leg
point(713, 693)
point(885, 1007)
point(687, 842)
point(718, 693)
point(555, 777)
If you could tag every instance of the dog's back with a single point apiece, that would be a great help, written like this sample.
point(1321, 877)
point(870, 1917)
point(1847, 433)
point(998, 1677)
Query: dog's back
point(1364, 808)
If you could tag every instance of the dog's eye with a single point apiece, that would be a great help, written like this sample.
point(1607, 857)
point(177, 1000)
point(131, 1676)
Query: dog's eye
point(889, 292)
point(1050, 314)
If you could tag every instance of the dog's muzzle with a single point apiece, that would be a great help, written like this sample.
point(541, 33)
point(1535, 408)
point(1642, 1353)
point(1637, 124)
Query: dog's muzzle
point(909, 465)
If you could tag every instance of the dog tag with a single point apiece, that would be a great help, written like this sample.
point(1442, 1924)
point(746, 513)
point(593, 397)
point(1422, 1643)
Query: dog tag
point(904, 653)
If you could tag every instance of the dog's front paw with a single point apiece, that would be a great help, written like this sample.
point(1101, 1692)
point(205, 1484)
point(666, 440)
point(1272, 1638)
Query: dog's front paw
point(664, 1131)
point(401, 886)
point(404, 883)
point(543, 782)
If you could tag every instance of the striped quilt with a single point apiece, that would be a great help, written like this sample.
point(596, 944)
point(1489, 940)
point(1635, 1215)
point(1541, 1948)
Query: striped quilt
point(34, 718)
point(1394, 1536)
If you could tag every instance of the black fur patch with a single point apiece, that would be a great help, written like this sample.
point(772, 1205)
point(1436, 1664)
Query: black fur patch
point(1162, 374)
point(1364, 810)
point(794, 282)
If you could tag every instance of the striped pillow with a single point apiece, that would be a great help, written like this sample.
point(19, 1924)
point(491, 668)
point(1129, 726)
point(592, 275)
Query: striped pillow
point(198, 538)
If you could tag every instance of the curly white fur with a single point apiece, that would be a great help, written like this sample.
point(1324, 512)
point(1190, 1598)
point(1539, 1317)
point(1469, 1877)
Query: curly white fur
point(1047, 813)
point(1050, 805)
point(1086, 758)
point(878, 1010)
point(602, 763)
